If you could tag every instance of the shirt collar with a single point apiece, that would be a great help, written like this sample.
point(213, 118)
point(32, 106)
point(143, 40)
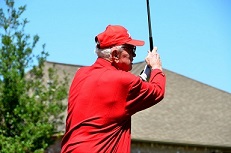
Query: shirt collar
point(100, 62)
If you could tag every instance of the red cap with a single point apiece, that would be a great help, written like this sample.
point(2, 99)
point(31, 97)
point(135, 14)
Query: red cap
point(115, 35)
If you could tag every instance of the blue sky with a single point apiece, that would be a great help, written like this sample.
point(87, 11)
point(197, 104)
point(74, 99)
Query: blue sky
point(193, 36)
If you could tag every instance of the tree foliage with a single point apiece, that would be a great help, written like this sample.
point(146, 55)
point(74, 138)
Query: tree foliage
point(29, 107)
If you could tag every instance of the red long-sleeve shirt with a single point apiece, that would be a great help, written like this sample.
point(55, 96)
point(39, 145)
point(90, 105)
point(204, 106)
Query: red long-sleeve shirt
point(101, 102)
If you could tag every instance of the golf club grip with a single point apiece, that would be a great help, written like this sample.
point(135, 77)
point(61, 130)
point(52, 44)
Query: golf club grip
point(151, 43)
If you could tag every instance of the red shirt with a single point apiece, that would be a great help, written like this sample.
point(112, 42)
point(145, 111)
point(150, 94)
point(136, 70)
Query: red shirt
point(101, 102)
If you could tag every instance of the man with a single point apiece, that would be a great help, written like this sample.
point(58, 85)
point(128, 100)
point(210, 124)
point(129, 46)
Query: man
point(104, 96)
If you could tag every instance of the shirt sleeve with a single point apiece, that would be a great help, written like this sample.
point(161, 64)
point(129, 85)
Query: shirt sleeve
point(142, 95)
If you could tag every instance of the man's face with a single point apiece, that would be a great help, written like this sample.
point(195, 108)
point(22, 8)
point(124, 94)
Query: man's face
point(125, 57)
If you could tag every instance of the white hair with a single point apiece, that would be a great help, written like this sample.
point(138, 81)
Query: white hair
point(105, 52)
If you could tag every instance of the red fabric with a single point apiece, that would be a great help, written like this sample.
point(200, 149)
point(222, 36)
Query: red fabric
point(115, 35)
point(100, 105)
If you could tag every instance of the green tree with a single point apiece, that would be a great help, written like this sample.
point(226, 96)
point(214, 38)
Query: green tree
point(29, 107)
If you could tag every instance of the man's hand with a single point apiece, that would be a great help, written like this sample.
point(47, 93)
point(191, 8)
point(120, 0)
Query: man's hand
point(153, 59)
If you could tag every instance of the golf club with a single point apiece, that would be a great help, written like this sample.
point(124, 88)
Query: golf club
point(145, 74)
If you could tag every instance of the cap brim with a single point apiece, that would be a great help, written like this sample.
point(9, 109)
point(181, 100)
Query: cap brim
point(135, 42)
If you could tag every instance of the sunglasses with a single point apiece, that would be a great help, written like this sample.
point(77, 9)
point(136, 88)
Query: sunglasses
point(130, 48)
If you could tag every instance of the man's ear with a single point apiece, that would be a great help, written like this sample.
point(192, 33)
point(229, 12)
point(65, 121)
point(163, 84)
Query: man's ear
point(114, 55)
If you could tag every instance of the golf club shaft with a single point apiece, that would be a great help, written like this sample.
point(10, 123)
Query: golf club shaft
point(149, 26)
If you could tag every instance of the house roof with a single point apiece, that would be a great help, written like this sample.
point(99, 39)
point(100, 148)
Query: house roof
point(191, 112)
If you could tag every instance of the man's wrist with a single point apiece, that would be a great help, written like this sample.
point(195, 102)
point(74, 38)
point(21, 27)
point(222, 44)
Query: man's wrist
point(153, 68)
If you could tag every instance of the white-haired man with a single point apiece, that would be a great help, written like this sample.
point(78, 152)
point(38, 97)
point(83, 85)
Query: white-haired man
point(104, 96)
